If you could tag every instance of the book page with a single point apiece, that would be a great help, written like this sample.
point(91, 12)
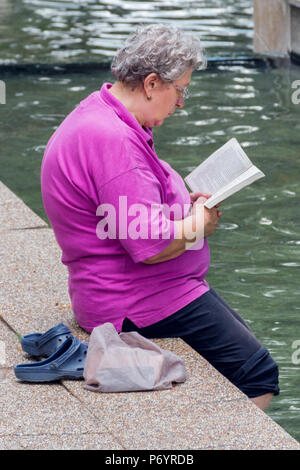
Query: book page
point(246, 178)
point(219, 169)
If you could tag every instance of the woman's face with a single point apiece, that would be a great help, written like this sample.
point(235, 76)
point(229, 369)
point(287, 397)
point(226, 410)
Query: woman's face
point(165, 98)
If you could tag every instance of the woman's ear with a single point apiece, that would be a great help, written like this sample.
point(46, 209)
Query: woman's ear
point(150, 83)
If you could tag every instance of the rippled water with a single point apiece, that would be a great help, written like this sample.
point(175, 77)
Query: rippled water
point(51, 31)
point(256, 250)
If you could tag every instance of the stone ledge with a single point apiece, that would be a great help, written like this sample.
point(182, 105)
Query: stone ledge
point(294, 3)
point(14, 214)
point(277, 27)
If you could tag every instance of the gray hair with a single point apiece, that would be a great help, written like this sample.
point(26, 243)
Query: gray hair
point(160, 48)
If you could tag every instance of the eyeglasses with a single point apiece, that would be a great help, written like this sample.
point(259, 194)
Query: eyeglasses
point(185, 94)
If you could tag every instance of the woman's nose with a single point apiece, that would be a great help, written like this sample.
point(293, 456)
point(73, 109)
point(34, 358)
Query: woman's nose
point(180, 103)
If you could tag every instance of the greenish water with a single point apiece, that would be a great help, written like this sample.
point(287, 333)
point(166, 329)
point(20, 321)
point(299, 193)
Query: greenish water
point(256, 250)
point(80, 31)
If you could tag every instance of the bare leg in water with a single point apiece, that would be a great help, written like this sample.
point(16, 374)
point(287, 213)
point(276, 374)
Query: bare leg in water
point(262, 401)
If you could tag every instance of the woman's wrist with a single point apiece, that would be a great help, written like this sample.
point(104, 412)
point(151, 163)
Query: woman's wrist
point(191, 229)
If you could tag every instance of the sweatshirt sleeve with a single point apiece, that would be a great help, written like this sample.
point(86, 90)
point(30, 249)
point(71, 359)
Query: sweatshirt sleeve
point(131, 210)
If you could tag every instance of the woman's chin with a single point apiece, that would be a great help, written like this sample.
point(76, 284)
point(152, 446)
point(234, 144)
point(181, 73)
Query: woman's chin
point(154, 122)
point(158, 122)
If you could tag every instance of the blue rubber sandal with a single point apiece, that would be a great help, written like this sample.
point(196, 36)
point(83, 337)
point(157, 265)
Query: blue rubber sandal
point(38, 344)
point(66, 363)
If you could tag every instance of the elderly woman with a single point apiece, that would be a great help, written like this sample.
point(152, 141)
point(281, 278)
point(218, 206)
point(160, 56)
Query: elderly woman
point(130, 262)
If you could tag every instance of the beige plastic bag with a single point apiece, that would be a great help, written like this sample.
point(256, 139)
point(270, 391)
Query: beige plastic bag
point(128, 362)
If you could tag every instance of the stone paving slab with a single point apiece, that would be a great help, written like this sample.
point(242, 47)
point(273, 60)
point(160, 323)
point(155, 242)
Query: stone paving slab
point(44, 416)
point(14, 214)
point(12, 352)
point(79, 441)
point(205, 412)
point(33, 282)
point(170, 422)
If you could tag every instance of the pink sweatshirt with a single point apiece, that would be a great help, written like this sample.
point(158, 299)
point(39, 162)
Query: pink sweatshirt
point(103, 188)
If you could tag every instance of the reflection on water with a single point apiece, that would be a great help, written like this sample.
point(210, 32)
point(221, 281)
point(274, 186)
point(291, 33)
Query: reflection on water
point(256, 249)
point(62, 31)
point(5, 9)
point(5, 13)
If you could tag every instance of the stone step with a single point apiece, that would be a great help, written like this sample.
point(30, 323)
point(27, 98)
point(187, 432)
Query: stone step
point(277, 27)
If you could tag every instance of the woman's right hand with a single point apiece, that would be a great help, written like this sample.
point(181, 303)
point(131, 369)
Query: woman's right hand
point(207, 221)
point(211, 220)
point(211, 216)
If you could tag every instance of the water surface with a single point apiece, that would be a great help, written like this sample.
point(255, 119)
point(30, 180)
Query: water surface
point(77, 31)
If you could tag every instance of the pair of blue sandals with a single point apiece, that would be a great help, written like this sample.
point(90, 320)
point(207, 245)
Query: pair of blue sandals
point(65, 356)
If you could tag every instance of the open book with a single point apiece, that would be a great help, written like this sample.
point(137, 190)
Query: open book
point(223, 173)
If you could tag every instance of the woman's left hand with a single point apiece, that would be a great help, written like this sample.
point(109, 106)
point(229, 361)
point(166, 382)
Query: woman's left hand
point(195, 196)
